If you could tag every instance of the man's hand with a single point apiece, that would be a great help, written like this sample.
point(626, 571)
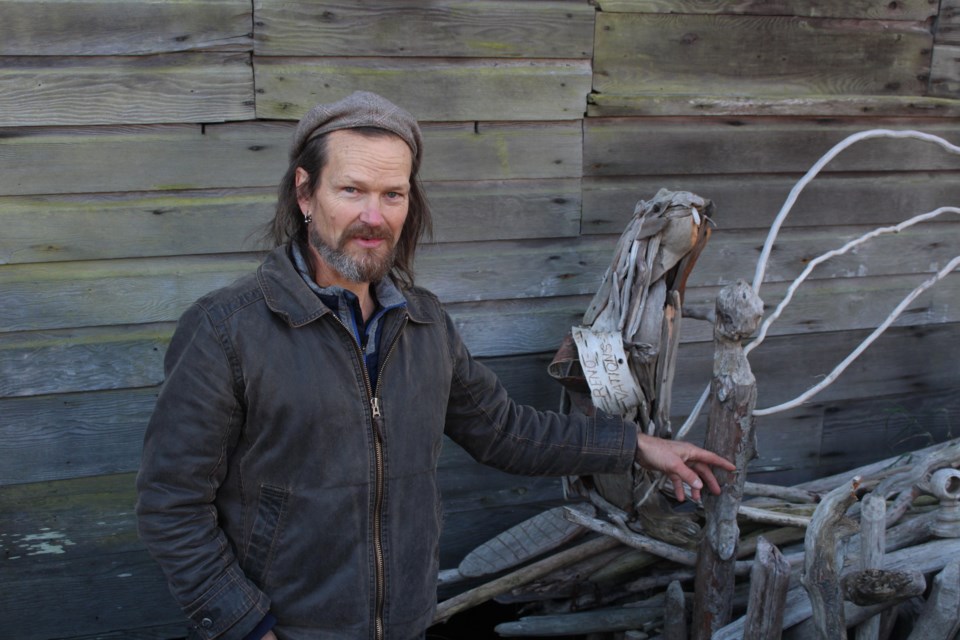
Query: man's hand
point(682, 462)
point(270, 636)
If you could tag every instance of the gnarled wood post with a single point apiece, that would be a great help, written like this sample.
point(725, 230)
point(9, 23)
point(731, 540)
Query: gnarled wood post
point(730, 434)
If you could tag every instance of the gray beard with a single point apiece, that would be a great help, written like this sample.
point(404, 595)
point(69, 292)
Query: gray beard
point(370, 267)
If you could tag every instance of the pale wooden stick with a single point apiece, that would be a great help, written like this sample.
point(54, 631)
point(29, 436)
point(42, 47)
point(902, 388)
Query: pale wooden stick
point(817, 167)
point(873, 523)
point(764, 516)
point(769, 581)
point(492, 589)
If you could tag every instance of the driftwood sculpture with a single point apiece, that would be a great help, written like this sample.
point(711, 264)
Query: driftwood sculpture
point(622, 357)
point(854, 546)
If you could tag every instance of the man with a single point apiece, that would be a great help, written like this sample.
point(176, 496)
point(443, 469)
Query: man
point(288, 483)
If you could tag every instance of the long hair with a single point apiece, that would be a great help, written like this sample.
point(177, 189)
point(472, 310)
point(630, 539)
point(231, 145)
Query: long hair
point(288, 225)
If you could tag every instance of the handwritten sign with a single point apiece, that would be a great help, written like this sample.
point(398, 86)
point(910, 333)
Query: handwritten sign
point(605, 366)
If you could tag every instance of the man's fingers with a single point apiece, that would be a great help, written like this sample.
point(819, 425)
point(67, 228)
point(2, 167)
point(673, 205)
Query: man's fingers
point(706, 473)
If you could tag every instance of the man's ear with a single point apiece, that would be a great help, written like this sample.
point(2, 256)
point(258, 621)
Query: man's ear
point(301, 177)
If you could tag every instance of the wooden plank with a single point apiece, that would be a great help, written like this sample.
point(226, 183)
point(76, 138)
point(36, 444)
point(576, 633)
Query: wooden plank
point(868, 9)
point(472, 89)
point(37, 363)
point(504, 210)
point(612, 105)
point(56, 437)
point(60, 295)
point(945, 73)
point(752, 202)
point(144, 224)
point(173, 87)
point(70, 227)
point(639, 54)
point(867, 430)
point(254, 154)
point(948, 23)
point(117, 27)
point(484, 29)
point(677, 146)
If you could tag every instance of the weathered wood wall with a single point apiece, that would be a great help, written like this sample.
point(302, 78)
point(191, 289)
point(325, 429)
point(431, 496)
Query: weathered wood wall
point(140, 146)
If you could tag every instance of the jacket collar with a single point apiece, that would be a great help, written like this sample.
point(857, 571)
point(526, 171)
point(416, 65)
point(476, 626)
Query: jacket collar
point(287, 295)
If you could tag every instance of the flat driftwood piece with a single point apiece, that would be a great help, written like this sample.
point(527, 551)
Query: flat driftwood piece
point(522, 542)
point(585, 622)
point(940, 618)
point(478, 595)
point(926, 558)
point(873, 522)
point(788, 494)
point(635, 540)
point(764, 516)
point(821, 576)
point(730, 434)
point(769, 582)
point(675, 613)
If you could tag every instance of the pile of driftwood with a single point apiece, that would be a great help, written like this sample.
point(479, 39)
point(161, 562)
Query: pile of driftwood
point(854, 550)
point(877, 548)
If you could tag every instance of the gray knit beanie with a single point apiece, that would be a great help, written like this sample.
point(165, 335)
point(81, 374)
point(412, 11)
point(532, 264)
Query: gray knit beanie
point(360, 109)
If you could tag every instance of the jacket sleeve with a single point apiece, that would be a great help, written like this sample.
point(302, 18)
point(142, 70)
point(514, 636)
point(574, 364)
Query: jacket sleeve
point(519, 439)
point(198, 416)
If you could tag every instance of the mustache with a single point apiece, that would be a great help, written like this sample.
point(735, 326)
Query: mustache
point(364, 230)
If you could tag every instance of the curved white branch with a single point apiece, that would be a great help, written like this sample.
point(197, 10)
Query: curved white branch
point(809, 393)
point(816, 168)
point(836, 252)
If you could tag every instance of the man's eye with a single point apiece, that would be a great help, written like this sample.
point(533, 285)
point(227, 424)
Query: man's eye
point(350, 189)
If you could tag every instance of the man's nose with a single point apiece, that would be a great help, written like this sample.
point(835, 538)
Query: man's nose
point(372, 213)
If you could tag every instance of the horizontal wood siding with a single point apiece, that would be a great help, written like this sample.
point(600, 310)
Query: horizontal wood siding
point(445, 28)
point(867, 9)
point(140, 148)
point(174, 87)
point(701, 54)
point(480, 89)
point(118, 27)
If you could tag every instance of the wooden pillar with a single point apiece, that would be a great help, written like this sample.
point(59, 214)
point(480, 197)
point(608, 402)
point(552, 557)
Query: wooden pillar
point(730, 434)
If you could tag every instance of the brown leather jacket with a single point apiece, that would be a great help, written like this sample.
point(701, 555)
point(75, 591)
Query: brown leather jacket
point(272, 479)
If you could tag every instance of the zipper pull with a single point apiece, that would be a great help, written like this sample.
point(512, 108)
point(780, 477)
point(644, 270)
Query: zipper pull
point(377, 418)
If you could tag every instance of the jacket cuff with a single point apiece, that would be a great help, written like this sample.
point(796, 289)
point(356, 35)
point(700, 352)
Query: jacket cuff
point(613, 432)
point(230, 609)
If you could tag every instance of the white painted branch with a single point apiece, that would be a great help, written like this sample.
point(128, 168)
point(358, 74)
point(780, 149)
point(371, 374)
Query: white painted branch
point(840, 368)
point(816, 168)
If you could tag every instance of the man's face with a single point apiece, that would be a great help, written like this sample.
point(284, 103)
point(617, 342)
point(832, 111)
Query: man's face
point(359, 207)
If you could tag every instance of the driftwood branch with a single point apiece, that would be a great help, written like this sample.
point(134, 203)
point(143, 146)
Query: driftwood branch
point(503, 584)
point(730, 434)
point(873, 522)
point(769, 581)
point(821, 575)
point(675, 613)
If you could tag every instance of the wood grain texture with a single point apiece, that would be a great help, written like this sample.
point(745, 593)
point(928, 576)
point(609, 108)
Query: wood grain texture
point(867, 9)
point(675, 146)
point(471, 89)
point(948, 22)
point(128, 291)
point(56, 228)
point(945, 74)
point(500, 29)
point(174, 87)
point(612, 105)
point(71, 227)
point(254, 154)
point(118, 27)
point(752, 201)
point(747, 55)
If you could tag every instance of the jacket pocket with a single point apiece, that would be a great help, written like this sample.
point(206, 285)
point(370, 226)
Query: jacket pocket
point(271, 509)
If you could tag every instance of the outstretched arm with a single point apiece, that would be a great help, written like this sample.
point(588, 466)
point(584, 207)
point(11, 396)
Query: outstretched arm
point(681, 462)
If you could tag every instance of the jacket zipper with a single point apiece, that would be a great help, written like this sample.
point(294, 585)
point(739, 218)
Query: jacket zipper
point(377, 422)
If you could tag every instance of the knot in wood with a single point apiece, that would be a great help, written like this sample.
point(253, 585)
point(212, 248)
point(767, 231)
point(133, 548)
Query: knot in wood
point(875, 586)
point(739, 310)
